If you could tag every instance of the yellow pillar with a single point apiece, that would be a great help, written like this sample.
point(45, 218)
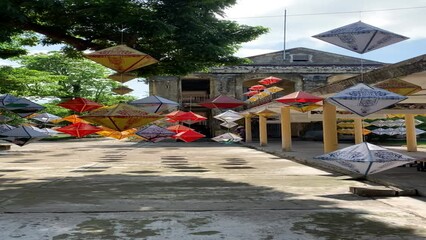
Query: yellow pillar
point(411, 138)
point(286, 129)
point(329, 126)
point(263, 135)
point(358, 130)
point(247, 120)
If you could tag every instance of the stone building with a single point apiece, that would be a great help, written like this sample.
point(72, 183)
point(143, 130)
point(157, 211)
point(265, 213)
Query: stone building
point(301, 69)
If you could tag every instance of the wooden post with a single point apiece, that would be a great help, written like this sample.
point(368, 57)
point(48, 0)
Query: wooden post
point(263, 135)
point(358, 130)
point(247, 120)
point(411, 137)
point(285, 129)
point(329, 126)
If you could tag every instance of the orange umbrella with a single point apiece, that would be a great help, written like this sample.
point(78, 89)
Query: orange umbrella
point(80, 104)
point(79, 129)
point(121, 117)
point(122, 90)
point(121, 58)
point(74, 119)
point(107, 132)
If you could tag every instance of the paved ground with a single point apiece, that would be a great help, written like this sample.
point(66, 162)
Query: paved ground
point(107, 189)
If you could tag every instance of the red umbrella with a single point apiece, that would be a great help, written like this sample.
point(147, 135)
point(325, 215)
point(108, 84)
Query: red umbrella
point(257, 88)
point(222, 101)
point(250, 93)
point(179, 128)
point(269, 80)
point(178, 115)
point(298, 97)
point(195, 118)
point(189, 136)
point(80, 104)
point(79, 129)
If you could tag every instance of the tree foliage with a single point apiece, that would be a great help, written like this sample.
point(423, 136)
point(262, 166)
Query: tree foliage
point(185, 35)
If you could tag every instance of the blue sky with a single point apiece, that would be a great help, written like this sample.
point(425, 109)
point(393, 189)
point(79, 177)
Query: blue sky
point(306, 18)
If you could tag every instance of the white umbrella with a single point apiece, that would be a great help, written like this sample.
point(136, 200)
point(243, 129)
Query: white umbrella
point(363, 100)
point(228, 124)
point(227, 138)
point(22, 135)
point(365, 158)
point(229, 116)
point(45, 117)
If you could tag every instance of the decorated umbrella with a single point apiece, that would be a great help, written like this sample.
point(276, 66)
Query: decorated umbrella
point(155, 133)
point(274, 89)
point(22, 135)
point(403, 131)
point(107, 132)
point(120, 117)
point(123, 77)
point(122, 90)
point(155, 104)
point(178, 128)
point(222, 101)
point(228, 124)
point(250, 93)
point(257, 88)
point(360, 37)
point(80, 104)
point(45, 117)
point(79, 129)
point(383, 131)
point(121, 58)
point(23, 107)
point(364, 100)
point(229, 116)
point(73, 119)
point(270, 80)
point(365, 158)
point(253, 98)
point(5, 127)
point(399, 86)
point(189, 136)
point(300, 100)
point(227, 138)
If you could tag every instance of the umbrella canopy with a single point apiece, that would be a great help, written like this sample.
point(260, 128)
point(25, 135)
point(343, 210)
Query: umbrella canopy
point(274, 89)
point(304, 107)
point(80, 105)
point(364, 100)
point(22, 135)
point(229, 116)
point(121, 58)
point(222, 101)
point(270, 80)
point(48, 131)
point(155, 133)
point(4, 118)
point(120, 117)
point(257, 88)
point(189, 136)
point(194, 118)
point(228, 124)
point(399, 86)
point(178, 128)
point(155, 104)
point(298, 97)
point(79, 129)
point(266, 113)
point(122, 90)
point(186, 117)
point(6, 99)
point(227, 138)
point(73, 119)
point(365, 158)
point(45, 117)
point(250, 93)
point(5, 127)
point(107, 132)
point(352, 131)
point(23, 107)
point(123, 77)
point(360, 37)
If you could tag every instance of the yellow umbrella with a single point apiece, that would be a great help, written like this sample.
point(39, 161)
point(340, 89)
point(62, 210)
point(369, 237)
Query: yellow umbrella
point(107, 132)
point(305, 108)
point(121, 117)
point(121, 58)
point(122, 77)
point(274, 89)
point(352, 131)
point(399, 86)
point(122, 90)
point(266, 113)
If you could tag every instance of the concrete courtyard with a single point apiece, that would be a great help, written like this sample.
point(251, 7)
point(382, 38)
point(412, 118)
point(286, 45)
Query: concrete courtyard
point(108, 189)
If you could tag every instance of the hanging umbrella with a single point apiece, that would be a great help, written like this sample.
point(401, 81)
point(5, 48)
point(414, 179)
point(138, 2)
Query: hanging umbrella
point(257, 88)
point(189, 136)
point(274, 89)
point(403, 131)
point(399, 86)
point(121, 58)
point(266, 113)
point(298, 97)
point(5, 127)
point(120, 117)
point(155, 104)
point(364, 100)
point(227, 138)
point(365, 158)
point(178, 128)
point(6, 99)
point(155, 133)
point(73, 119)
point(80, 104)
point(270, 80)
point(45, 117)
point(23, 107)
point(228, 124)
point(222, 101)
point(383, 131)
point(250, 93)
point(352, 131)
point(360, 37)
point(49, 131)
point(4, 118)
point(22, 135)
point(79, 129)
point(305, 107)
point(123, 77)
point(194, 118)
point(229, 116)
point(122, 90)
point(107, 132)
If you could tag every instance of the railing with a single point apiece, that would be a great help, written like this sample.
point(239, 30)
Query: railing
point(194, 99)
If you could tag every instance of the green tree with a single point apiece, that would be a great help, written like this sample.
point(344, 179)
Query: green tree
point(185, 35)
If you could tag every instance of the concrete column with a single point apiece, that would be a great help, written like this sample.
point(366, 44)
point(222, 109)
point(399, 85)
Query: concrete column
point(411, 137)
point(358, 130)
point(263, 135)
point(329, 126)
point(285, 129)
point(247, 120)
